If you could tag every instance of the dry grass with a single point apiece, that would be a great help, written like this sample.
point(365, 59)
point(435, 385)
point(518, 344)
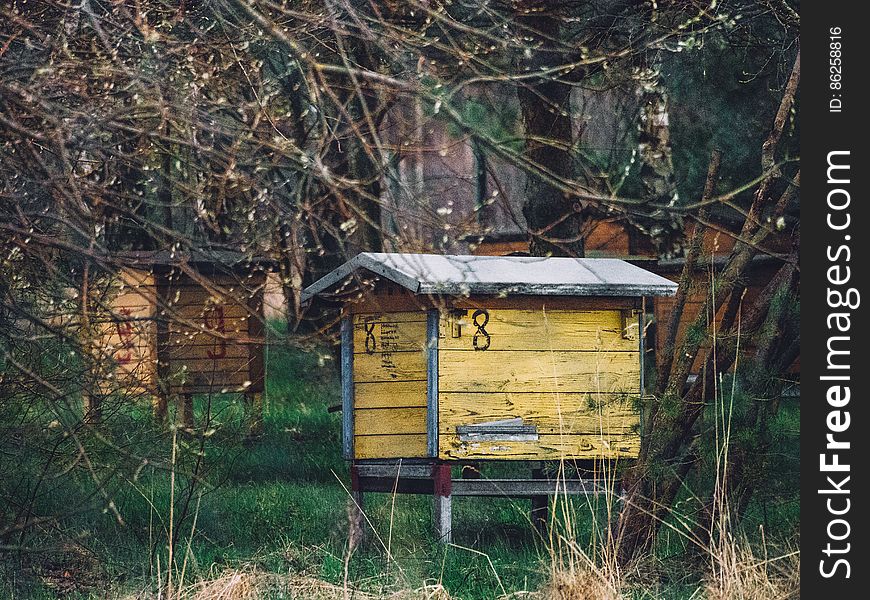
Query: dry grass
point(740, 575)
point(580, 584)
point(581, 568)
point(254, 584)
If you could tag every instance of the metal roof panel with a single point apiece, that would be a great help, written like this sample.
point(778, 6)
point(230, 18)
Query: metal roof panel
point(464, 275)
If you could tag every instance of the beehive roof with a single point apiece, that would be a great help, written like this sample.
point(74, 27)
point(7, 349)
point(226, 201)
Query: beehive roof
point(464, 275)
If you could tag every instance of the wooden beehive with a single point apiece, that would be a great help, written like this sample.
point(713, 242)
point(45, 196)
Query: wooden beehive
point(187, 325)
point(127, 337)
point(480, 357)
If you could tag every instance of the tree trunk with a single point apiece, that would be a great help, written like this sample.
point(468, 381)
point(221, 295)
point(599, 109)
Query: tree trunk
point(654, 143)
point(553, 218)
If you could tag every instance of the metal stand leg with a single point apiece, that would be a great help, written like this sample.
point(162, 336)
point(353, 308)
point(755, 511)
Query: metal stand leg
point(540, 506)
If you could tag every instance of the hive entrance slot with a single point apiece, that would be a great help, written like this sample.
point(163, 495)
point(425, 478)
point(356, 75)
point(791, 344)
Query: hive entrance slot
point(505, 430)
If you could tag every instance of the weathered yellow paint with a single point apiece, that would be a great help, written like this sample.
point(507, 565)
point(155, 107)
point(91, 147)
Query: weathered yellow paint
point(133, 377)
point(389, 332)
point(126, 334)
point(548, 447)
point(136, 376)
point(538, 371)
point(550, 413)
point(389, 446)
point(389, 421)
point(538, 330)
point(390, 394)
point(201, 348)
point(135, 336)
point(140, 301)
point(389, 317)
point(570, 373)
point(390, 385)
point(389, 366)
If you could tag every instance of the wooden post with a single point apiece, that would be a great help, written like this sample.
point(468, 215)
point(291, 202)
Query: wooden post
point(443, 510)
point(540, 506)
point(160, 407)
point(432, 324)
point(355, 517)
point(93, 407)
point(256, 360)
point(184, 411)
point(347, 390)
point(161, 351)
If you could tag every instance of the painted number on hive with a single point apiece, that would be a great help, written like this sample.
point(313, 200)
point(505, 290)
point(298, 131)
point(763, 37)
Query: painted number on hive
point(481, 339)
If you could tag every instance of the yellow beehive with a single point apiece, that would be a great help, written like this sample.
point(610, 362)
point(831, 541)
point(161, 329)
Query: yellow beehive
point(474, 357)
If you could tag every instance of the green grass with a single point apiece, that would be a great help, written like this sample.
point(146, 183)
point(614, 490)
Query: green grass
point(278, 502)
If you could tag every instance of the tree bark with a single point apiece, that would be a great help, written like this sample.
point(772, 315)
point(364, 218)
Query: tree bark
point(687, 277)
point(553, 217)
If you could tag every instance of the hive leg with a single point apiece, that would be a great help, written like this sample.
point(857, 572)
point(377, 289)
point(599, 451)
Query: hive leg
point(160, 408)
point(93, 408)
point(443, 510)
point(355, 518)
point(184, 408)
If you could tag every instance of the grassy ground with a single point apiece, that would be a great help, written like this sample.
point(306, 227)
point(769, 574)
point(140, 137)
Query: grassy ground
point(278, 503)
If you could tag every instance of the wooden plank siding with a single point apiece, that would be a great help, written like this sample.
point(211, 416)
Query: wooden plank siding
point(197, 339)
point(538, 371)
point(389, 376)
point(572, 374)
point(127, 335)
point(211, 343)
point(548, 447)
point(551, 413)
point(594, 330)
